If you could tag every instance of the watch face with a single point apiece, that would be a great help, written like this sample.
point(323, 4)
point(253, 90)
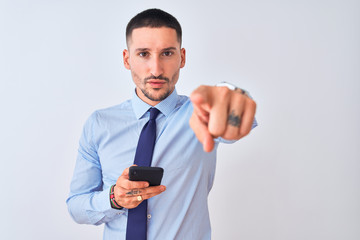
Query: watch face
point(228, 85)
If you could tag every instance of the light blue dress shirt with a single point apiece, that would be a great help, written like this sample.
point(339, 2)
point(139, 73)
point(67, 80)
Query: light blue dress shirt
point(107, 146)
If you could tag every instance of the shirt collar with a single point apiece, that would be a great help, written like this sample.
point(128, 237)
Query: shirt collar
point(166, 106)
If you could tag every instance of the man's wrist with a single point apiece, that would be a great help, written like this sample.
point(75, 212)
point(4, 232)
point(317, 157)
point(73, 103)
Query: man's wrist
point(113, 203)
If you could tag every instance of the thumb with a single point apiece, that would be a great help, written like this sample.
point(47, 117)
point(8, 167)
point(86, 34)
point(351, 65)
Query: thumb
point(126, 172)
point(201, 97)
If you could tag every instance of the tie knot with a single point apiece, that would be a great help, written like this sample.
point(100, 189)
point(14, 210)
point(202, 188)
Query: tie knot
point(153, 113)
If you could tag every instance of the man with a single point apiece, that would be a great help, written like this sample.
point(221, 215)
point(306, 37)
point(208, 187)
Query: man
point(101, 191)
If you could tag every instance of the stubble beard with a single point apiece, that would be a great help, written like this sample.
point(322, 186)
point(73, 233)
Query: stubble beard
point(154, 98)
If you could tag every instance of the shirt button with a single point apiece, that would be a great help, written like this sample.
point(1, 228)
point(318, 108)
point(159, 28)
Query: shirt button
point(149, 216)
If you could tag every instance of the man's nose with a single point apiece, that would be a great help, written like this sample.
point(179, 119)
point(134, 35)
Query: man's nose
point(156, 68)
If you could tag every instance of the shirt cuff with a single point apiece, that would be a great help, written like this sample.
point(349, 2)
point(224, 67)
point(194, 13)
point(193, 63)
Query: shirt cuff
point(101, 201)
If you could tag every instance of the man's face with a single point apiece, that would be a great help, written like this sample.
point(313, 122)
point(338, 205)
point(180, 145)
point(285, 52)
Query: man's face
point(154, 58)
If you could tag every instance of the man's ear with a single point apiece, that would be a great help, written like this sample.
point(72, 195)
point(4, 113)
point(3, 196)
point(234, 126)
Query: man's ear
point(126, 59)
point(183, 58)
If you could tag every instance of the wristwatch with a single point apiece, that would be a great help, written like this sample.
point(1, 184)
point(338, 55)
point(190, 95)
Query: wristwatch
point(231, 87)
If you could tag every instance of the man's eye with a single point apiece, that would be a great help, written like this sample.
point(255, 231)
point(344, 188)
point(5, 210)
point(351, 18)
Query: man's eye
point(143, 54)
point(167, 54)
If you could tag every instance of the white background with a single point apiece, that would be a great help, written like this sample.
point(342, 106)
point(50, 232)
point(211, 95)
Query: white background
point(294, 177)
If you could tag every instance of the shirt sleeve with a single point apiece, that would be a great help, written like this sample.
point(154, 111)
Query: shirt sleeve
point(88, 201)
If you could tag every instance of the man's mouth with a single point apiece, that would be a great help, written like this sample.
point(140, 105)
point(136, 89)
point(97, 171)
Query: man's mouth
point(156, 83)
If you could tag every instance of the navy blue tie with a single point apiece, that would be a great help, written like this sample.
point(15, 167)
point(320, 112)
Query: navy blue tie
point(137, 219)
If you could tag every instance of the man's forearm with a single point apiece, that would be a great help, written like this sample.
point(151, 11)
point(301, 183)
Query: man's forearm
point(92, 208)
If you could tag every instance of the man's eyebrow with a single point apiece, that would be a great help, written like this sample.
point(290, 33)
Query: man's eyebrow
point(148, 49)
point(169, 48)
point(142, 49)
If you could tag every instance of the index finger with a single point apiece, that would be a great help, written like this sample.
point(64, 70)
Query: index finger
point(202, 133)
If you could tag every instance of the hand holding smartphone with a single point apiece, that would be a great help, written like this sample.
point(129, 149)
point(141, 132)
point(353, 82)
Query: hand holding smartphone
point(152, 175)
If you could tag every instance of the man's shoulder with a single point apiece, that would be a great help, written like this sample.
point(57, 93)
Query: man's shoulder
point(182, 99)
point(122, 109)
point(125, 109)
point(124, 106)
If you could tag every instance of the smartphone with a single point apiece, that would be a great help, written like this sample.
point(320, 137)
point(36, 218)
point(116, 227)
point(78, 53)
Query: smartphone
point(152, 175)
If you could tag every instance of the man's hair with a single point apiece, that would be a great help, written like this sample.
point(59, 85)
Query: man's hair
point(153, 18)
